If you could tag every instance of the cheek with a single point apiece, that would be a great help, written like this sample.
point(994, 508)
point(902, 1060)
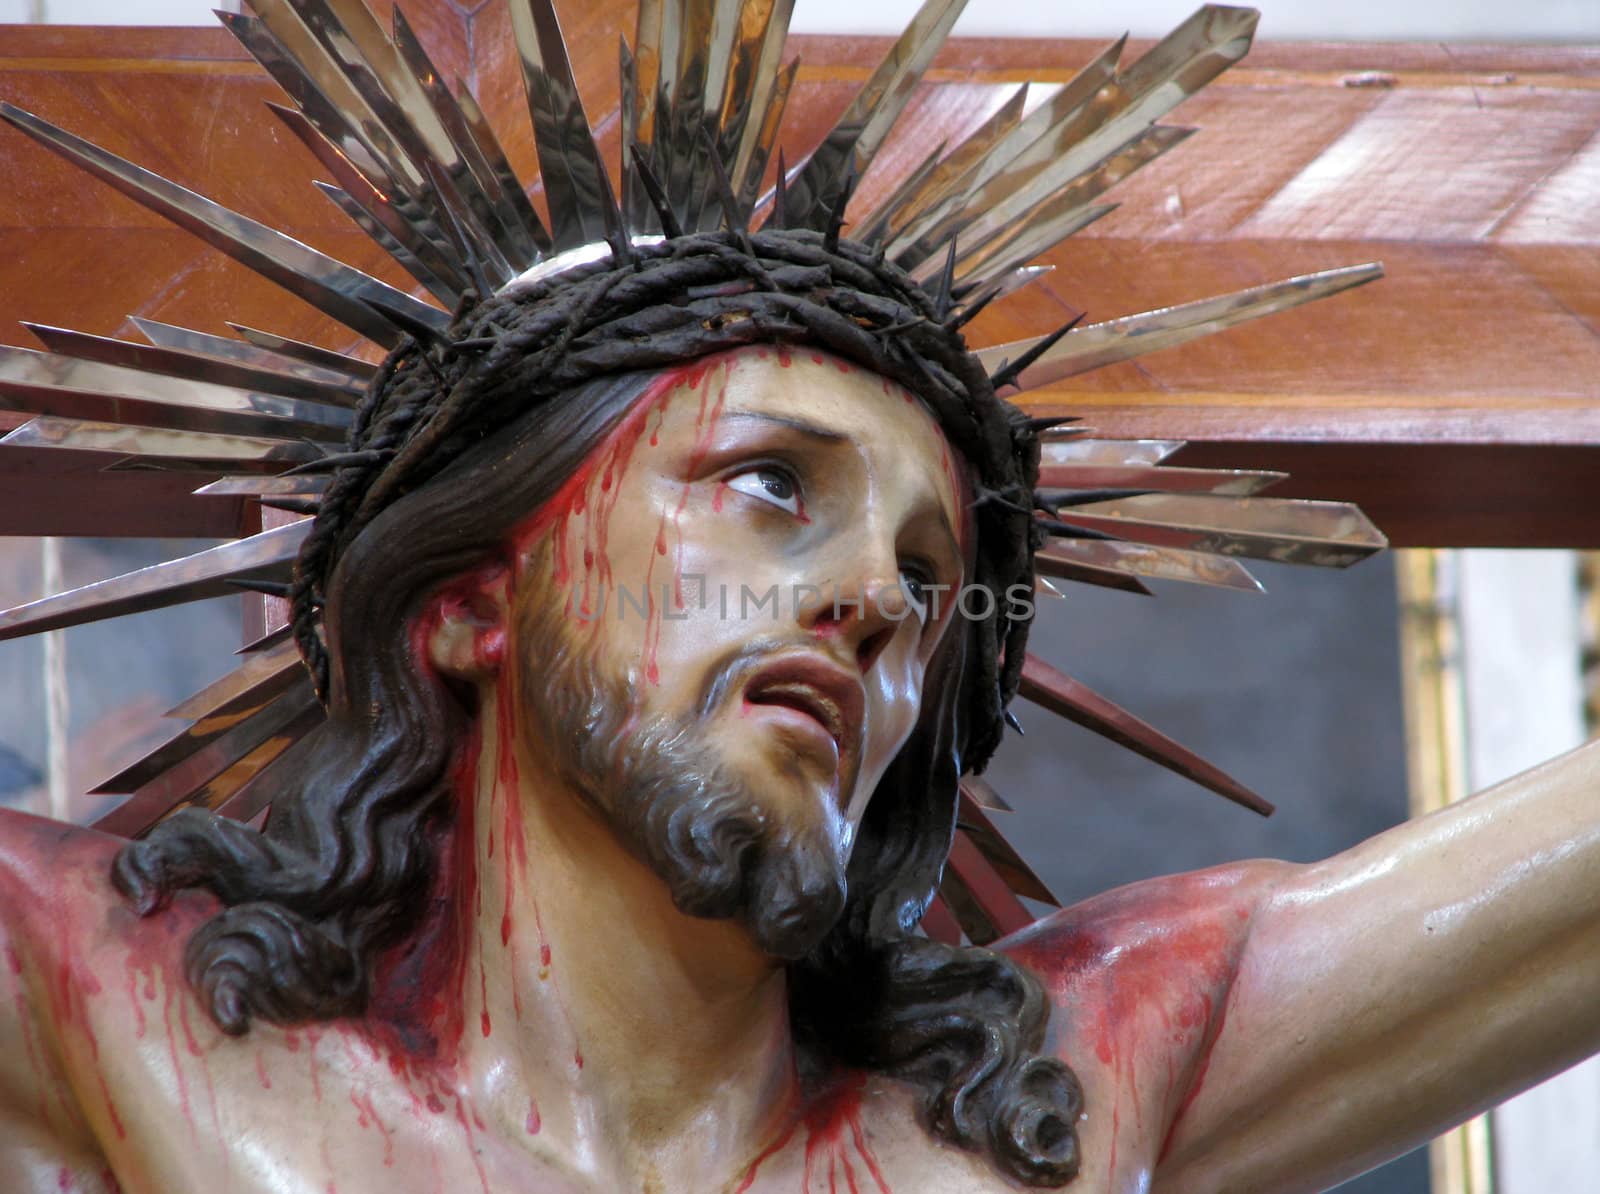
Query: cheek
point(894, 701)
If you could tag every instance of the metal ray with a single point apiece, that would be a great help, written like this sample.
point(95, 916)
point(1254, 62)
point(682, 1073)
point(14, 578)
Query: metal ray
point(1038, 126)
point(981, 792)
point(1061, 557)
point(1226, 482)
point(1205, 45)
point(850, 146)
point(1087, 574)
point(1058, 216)
point(311, 354)
point(999, 912)
point(640, 88)
point(1019, 876)
point(386, 240)
point(970, 919)
point(190, 366)
point(297, 62)
point(403, 222)
point(340, 291)
point(470, 240)
point(728, 53)
point(493, 153)
point(639, 213)
point(746, 113)
point(939, 923)
point(1127, 452)
point(156, 447)
point(568, 160)
point(48, 384)
point(515, 233)
point(999, 287)
point(741, 74)
point(915, 193)
point(1101, 344)
point(193, 578)
point(238, 754)
point(351, 373)
point(1077, 703)
point(244, 485)
point(647, 39)
point(686, 110)
point(208, 726)
point(766, 137)
point(731, 22)
point(355, 40)
point(1328, 534)
point(251, 679)
point(1053, 222)
point(870, 227)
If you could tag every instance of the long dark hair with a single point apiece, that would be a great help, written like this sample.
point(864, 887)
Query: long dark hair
point(348, 863)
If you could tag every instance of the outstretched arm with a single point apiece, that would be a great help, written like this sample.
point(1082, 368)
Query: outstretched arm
point(1402, 986)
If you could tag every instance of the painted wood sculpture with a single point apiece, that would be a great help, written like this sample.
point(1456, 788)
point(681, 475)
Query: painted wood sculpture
point(666, 590)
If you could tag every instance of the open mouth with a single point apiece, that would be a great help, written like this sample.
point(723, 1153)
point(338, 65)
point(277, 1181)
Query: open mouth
point(821, 691)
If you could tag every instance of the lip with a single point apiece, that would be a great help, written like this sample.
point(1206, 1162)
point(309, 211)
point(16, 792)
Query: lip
point(811, 685)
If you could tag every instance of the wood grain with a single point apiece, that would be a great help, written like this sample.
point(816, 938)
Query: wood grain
point(1459, 399)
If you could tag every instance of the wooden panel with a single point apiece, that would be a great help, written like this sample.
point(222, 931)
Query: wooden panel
point(1435, 164)
point(1471, 171)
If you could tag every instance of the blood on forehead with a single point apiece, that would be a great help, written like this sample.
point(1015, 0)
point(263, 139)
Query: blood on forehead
point(706, 377)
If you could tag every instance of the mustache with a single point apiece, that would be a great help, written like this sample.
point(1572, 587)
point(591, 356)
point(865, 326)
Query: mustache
point(727, 672)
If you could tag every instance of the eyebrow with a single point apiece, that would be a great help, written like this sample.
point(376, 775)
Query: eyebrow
point(808, 429)
point(829, 436)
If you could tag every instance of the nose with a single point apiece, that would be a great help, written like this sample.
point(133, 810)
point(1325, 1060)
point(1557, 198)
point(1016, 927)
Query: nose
point(863, 615)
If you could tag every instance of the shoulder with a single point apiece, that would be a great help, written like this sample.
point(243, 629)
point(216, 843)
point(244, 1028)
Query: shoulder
point(69, 949)
point(1171, 931)
point(1139, 980)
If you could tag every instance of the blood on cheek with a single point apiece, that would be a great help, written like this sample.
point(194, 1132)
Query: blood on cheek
point(578, 520)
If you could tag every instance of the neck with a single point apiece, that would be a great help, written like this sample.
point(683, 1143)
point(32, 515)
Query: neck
point(599, 1020)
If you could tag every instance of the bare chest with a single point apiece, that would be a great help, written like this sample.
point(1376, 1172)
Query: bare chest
point(326, 1111)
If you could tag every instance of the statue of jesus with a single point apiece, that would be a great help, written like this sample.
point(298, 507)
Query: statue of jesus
point(595, 881)
point(673, 572)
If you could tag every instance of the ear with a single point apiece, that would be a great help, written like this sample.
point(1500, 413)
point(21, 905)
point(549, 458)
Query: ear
point(464, 625)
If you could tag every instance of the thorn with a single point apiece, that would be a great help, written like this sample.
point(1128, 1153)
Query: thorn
point(830, 239)
point(658, 198)
point(1053, 499)
point(267, 588)
point(1008, 373)
point(947, 279)
point(778, 221)
point(993, 497)
point(457, 232)
point(968, 314)
point(1042, 423)
point(422, 333)
point(1065, 530)
point(735, 220)
point(616, 229)
point(339, 460)
point(293, 505)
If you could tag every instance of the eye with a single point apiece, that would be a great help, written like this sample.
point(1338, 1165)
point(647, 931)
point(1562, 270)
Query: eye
point(916, 579)
point(770, 484)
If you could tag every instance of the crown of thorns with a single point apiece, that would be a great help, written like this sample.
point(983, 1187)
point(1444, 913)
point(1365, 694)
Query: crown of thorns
point(688, 255)
point(662, 303)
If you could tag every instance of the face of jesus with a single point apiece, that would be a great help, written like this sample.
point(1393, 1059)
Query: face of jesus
point(755, 553)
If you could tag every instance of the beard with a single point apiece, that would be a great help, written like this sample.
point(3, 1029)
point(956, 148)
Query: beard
point(660, 786)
